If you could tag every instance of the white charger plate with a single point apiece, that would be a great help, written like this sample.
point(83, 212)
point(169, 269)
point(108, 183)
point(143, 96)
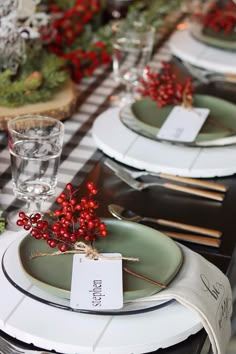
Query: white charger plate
point(184, 46)
point(132, 149)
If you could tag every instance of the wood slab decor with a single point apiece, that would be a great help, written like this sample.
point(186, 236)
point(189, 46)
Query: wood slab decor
point(61, 106)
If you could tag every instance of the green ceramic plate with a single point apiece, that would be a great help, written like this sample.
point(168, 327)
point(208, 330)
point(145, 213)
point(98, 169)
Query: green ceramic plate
point(211, 38)
point(160, 260)
point(145, 118)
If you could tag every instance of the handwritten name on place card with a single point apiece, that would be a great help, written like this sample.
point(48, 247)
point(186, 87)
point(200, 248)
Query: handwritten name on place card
point(182, 124)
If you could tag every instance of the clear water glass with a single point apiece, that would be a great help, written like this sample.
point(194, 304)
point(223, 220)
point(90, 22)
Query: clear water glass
point(35, 145)
point(132, 50)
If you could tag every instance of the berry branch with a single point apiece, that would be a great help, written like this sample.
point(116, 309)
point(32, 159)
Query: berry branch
point(165, 89)
point(220, 18)
point(72, 222)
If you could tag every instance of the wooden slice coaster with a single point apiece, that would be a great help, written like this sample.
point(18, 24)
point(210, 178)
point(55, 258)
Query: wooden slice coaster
point(61, 106)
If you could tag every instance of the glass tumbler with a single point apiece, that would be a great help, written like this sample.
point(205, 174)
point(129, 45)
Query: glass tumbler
point(132, 50)
point(35, 145)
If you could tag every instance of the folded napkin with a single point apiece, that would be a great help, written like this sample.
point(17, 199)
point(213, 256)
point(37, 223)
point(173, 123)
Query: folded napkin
point(203, 288)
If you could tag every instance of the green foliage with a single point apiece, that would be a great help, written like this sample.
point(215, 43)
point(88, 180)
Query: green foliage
point(24, 87)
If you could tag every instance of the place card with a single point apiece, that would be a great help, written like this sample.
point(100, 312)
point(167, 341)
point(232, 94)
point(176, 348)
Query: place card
point(97, 284)
point(183, 124)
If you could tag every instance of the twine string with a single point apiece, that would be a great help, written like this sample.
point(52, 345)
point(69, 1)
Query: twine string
point(82, 248)
point(92, 253)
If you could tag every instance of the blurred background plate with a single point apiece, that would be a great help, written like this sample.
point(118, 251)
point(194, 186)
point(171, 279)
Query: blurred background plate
point(212, 38)
point(146, 118)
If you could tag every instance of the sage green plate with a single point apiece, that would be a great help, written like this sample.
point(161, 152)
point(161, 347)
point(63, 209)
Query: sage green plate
point(146, 118)
point(211, 38)
point(159, 259)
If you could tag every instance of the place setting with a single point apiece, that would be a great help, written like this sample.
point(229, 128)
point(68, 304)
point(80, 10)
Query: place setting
point(151, 274)
point(207, 39)
point(187, 131)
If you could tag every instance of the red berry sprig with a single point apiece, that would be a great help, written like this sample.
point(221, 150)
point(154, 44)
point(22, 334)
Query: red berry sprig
point(68, 37)
point(164, 88)
point(74, 220)
point(220, 18)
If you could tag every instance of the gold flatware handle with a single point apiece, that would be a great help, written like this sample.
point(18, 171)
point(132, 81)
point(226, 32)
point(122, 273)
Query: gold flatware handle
point(230, 77)
point(200, 240)
point(195, 191)
point(187, 227)
point(196, 182)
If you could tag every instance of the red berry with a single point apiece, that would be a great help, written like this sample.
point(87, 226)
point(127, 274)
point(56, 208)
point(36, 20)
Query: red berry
point(57, 212)
point(52, 244)
point(62, 247)
point(34, 232)
point(60, 200)
point(73, 238)
point(103, 233)
point(69, 187)
point(90, 185)
point(27, 227)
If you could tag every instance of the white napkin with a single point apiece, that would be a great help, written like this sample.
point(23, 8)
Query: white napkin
point(203, 288)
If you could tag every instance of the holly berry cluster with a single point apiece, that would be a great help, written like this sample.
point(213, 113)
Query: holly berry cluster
point(220, 18)
point(164, 88)
point(74, 220)
point(71, 38)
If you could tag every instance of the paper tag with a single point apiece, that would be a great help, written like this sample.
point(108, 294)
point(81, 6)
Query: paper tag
point(97, 284)
point(183, 124)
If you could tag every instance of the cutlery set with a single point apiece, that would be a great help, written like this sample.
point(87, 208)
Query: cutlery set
point(130, 178)
point(211, 237)
point(205, 76)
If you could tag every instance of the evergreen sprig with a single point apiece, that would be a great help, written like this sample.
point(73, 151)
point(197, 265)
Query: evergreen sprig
point(37, 79)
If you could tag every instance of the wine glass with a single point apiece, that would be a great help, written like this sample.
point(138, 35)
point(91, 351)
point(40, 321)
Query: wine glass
point(35, 144)
point(132, 50)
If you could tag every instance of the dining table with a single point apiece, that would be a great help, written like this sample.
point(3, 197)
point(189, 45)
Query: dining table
point(82, 161)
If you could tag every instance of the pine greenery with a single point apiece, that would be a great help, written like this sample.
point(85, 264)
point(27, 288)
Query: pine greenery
point(26, 87)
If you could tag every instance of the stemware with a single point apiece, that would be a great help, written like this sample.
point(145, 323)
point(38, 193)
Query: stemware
point(35, 144)
point(132, 49)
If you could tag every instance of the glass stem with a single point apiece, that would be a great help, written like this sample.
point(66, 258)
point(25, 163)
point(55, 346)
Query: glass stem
point(129, 89)
point(33, 206)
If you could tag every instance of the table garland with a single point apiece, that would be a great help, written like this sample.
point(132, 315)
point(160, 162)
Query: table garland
point(74, 44)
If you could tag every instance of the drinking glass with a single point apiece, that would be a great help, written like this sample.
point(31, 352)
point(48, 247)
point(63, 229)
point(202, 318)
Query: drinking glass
point(132, 50)
point(35, 144)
